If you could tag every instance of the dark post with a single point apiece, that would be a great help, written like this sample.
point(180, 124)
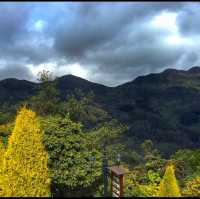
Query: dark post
point(121, 179)
point(105, 173)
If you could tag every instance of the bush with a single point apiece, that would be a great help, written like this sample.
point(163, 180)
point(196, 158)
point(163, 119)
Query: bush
point(72, 171)
point(168, 185)
point(193, 188)
point(134, 189)
point(24, 170)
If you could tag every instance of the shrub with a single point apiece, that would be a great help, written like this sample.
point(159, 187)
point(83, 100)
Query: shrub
point(72, 171)
point(24, 172)
point(193, 187)
point(168, 185)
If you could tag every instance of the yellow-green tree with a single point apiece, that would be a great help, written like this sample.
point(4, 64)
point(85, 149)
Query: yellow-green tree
point(168, 185)
point(25, 172)
point(2, 151)
point(193, 188)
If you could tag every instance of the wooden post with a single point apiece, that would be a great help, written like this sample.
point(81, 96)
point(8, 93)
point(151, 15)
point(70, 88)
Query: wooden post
point(117, 181)
point(121, 186)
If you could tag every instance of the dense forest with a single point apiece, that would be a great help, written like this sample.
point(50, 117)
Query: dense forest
point(52, 143)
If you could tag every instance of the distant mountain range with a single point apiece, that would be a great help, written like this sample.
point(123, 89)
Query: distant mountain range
point(164, 107)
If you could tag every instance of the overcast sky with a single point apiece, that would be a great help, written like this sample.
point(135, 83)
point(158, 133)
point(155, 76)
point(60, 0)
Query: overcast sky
point(107, 43)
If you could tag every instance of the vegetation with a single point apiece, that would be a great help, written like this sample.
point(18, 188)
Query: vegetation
point(24, 170)
point(39, 102)
point(192, 188)
point(168, 186)
point(72, 172)
point(55, 147)
point(81, 108)
point(2, 151)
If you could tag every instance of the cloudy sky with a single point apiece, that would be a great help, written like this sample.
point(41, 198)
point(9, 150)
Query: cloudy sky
point(107, 43)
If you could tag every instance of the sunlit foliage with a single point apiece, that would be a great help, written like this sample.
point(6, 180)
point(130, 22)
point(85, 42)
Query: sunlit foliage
point(133, 188)
point(192, 188)
point(169, 186)
point(24, 171)
point(2, 151)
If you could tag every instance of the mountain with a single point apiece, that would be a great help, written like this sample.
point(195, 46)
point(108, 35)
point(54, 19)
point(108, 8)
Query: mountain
point(164, 107)
point(69, 83)
point(13, 90)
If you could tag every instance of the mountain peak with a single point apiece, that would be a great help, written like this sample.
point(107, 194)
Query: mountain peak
point(194, 70)
point(172, 71)
point(69, 76)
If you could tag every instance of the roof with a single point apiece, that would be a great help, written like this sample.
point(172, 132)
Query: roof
point(118, 170)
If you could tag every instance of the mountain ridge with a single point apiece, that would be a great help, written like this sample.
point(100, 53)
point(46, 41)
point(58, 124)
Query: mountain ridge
point(193, 70)
point(164, 107)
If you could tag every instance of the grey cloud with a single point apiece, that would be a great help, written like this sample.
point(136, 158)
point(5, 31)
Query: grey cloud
point(99, 34)
point(27, 50)
point(113, 41)
point(13, 19)
point(94, 24)
point(122, 55)
point(88, 32)
point(16, 40)
point(188, 19)
point(15, 71)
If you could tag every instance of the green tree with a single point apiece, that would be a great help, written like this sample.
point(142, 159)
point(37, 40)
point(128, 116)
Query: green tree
point(150, 153)
point(190, 160)
point(24, 171)
point(152, 158)
point(72, 171)
point(108, 133)
point(45, 102)
point(82, 108)
point(168, 185)
point(4, 117)
point(2, 151)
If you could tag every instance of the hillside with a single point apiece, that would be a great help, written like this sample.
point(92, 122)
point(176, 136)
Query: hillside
point(164, 107)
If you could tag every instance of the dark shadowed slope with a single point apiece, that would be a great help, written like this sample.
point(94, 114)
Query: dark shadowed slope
point(164, 107)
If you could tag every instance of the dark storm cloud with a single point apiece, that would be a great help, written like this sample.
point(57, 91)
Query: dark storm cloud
point(95, 24)
point(13, 19)
point(100, 35)
point(90, 28)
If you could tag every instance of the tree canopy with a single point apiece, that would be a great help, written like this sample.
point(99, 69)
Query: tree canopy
point(72, 171)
